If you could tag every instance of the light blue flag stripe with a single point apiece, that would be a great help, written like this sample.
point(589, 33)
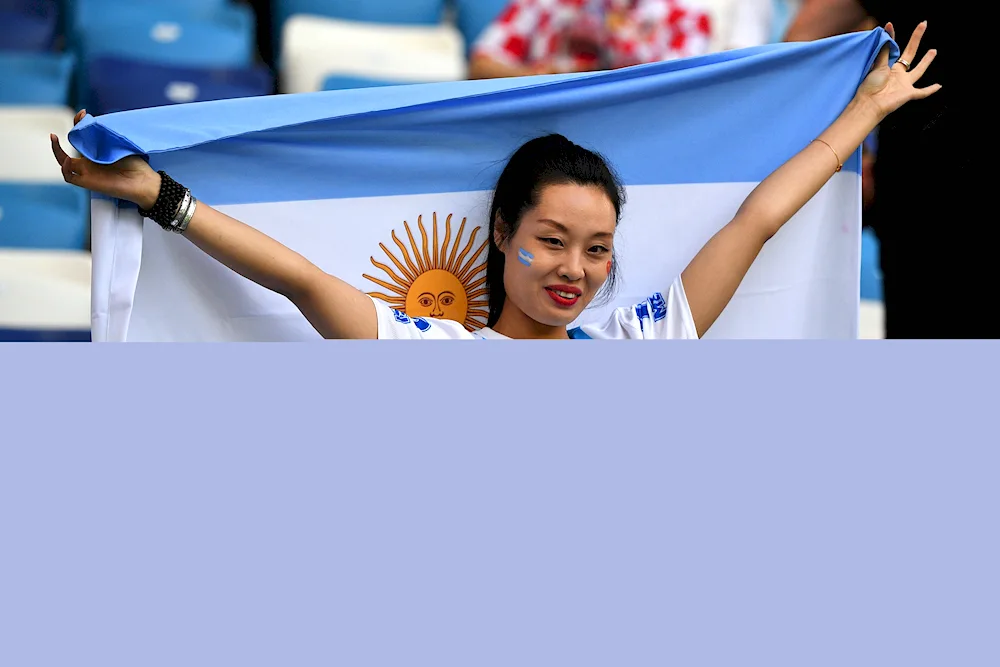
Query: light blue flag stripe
point(727, 117)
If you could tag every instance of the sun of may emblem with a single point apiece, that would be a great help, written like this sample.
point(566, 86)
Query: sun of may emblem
point(436, 282)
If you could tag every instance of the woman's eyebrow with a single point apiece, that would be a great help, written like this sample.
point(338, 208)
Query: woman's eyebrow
point(563, 228)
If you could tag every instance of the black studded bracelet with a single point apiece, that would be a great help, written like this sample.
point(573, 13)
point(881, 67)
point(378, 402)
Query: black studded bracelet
point(168, 203)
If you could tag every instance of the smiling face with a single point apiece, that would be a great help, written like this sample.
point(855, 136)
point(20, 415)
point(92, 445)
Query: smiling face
point(560, 255)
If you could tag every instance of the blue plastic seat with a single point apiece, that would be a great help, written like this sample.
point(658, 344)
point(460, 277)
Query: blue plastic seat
point(119, 84)
point(28, 25)
point(82, 14)
point(224, 37)
point(9, 335)
point(871, 274)
point(35, 78)
point(51, 216)
point(472, 17)
point(167, 36)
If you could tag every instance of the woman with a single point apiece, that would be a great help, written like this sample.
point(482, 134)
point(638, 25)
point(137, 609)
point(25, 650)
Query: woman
point(552, 225)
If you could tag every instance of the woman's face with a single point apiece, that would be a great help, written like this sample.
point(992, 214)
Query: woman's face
point(561, 253)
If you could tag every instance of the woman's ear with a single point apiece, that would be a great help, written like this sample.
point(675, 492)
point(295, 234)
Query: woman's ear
point(500, 234)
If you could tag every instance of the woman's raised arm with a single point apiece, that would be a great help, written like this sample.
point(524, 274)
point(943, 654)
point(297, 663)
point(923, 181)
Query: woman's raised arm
point(713, 276)
point(333, 307)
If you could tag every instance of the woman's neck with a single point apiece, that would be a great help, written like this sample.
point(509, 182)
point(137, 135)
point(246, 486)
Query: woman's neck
point(513, 323)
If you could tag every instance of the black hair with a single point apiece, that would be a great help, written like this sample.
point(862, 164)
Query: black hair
point(549, 160)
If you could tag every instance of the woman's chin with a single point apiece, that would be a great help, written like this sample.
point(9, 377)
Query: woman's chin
point(555, 316)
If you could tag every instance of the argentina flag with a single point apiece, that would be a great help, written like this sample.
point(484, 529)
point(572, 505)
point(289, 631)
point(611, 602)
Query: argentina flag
point(388, 189)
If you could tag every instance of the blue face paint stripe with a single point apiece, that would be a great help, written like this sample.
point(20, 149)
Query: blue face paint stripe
point(525, 257)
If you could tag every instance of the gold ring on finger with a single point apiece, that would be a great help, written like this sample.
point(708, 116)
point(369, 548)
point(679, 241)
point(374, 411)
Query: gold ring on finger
point(904, 63)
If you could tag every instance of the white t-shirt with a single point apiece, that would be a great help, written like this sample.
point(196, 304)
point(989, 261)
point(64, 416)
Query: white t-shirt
point(658, 317)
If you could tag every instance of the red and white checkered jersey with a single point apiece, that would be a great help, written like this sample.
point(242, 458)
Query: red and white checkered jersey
point(582, 35)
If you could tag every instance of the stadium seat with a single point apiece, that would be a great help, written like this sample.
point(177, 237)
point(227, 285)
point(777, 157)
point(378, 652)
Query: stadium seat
point(118, 84)
point(871, 320)
point(871, 274)
point(44, 295)
point(472, 17)
point(412, 12)
point(46, 215)
point(28, 25)
point(35, 78)
point(168, 36)
point(24, 143)
point(316, 49)
point(391, 12)
point(79, 13)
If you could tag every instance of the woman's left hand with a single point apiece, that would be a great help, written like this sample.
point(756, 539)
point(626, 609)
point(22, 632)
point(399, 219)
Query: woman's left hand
point(888, 88)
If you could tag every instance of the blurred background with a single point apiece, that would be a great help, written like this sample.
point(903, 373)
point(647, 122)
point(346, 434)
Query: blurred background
point(57, 56)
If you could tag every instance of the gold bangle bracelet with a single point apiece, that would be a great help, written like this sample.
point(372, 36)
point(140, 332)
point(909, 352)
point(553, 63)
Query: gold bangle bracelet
point(840, 165)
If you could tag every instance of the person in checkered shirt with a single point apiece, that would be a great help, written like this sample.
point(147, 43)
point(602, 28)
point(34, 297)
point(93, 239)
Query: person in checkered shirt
point(563, 36)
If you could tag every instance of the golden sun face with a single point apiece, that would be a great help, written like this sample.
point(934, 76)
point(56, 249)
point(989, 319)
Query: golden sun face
point(436, 282)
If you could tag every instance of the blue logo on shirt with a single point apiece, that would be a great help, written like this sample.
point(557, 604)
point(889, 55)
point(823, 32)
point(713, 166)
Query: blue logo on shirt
point(422, 324)
point(401, 317)
point(659, 307)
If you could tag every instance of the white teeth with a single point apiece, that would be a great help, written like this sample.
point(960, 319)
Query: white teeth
point(565, 295)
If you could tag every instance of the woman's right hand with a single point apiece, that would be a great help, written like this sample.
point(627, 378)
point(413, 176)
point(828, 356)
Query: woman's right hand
point(130, 178)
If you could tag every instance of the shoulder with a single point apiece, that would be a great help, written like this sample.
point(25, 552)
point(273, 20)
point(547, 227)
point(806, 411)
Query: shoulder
point(663, 315)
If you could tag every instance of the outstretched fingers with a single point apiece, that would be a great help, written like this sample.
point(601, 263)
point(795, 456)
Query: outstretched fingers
point(922, 66)
point(910, 52)
point(921, 93)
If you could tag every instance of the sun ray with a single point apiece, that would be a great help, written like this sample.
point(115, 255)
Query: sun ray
point(465, 251)
point(423, 238)
point(479, 312)
point(480, 281)
point(394, 301)
point(451, 259)
point(391, 288)
point(434, 244)
point(478, 293)
point(447, 237)
point(406, 254)
point(469, 269)
point(399, 281)
point(409, 276)
point(416, 250)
